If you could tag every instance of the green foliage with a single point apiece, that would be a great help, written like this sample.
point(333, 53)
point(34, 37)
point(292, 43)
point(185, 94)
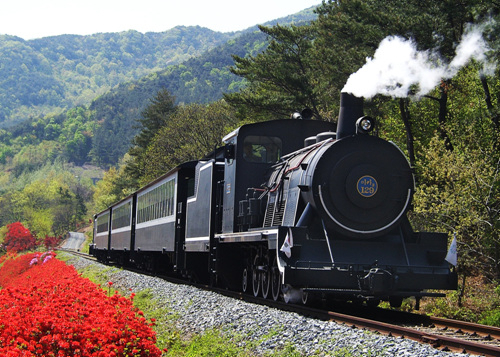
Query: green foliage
point(491, 318)
point(35, 143)
point(3, 232)
point(104, 191)
point(459, 189)
point(475, 301)
point(5, 152)
point(50, 201)
point(461, 196)
point(43, 74)
point(154, 117)
point(280, 78)
point(115, 185)
point(32, 157)
point(210, 343)
point(190, 133)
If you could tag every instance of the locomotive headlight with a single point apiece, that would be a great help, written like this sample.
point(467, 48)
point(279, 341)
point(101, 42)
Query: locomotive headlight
point(365, 125)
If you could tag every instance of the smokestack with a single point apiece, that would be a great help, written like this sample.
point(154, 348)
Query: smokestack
point(351, 109)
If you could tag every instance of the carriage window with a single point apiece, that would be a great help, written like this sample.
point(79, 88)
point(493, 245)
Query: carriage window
point(121, 216)
point(156, 203)
point(102, 223)
point(264, 149)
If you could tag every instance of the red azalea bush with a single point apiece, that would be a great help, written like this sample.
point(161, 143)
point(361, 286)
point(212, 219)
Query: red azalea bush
point(51, 242)
point(5, 257)
point(18, 238)
point(48, 309)
point(13, 268)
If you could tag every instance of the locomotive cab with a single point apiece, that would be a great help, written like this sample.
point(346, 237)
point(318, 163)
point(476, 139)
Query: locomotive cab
point(251, 151)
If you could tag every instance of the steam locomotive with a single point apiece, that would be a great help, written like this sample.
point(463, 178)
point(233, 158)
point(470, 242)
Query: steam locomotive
point(287, 209)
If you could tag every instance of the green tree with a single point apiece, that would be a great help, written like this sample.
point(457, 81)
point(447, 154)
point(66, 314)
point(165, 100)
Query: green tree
point(459, 190)
point(115, 185)
point(51, 205)
point(154, 117)
point(192, 132)
point(280, 79)
point(463, 196)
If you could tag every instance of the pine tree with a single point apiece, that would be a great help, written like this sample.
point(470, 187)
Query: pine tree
point(154, 117)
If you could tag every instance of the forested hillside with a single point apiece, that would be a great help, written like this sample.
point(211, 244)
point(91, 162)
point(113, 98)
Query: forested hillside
point(201, 79)
point(50, 74)
point(125, 70)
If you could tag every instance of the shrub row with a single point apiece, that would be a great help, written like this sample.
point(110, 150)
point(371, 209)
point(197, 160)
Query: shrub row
point(48, 309)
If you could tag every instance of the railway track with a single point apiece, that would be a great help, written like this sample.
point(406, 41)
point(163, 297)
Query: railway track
point(442, 334)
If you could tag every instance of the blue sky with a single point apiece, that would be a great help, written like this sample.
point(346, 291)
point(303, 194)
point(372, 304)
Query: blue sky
point(31, 19)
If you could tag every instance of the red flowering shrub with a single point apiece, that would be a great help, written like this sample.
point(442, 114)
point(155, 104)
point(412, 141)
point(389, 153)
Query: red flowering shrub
point(18, 238)
point(51, 242)
point(5, 257)
point(15, 266)
point(48, 309)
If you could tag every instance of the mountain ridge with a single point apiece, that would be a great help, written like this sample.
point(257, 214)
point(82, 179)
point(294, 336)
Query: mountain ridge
point(55, 73)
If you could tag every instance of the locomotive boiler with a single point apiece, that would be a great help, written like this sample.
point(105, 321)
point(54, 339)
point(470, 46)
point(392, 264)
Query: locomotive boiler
point(287, 208)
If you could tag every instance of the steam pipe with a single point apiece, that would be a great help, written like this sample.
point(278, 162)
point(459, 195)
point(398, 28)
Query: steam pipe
point(351, 109)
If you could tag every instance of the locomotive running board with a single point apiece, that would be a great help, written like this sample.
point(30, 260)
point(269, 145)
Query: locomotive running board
point(269, 235)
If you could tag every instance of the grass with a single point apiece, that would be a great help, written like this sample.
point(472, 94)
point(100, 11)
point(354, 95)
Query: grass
point(88, 241)
point(213, 342)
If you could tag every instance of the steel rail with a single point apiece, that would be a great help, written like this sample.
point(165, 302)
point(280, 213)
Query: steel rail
point(491, 332)
point(437, 341)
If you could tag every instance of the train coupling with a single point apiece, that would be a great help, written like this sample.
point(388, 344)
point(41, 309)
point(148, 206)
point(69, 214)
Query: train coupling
point(378, 281)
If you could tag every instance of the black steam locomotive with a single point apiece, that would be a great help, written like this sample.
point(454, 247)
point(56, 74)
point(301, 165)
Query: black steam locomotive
point(289, 208)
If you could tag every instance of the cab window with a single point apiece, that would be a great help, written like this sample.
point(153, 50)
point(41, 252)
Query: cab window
point(262, 149)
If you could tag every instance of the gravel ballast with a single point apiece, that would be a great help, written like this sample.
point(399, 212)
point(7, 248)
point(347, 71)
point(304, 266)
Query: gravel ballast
point(268, 328)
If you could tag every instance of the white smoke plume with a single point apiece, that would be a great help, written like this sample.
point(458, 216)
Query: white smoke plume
point(398, 66)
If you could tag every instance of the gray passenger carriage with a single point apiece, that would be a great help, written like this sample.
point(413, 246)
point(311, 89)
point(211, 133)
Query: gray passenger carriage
point(160, 219)
point(113, 232)
point(147, 228)
point(121, 230)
